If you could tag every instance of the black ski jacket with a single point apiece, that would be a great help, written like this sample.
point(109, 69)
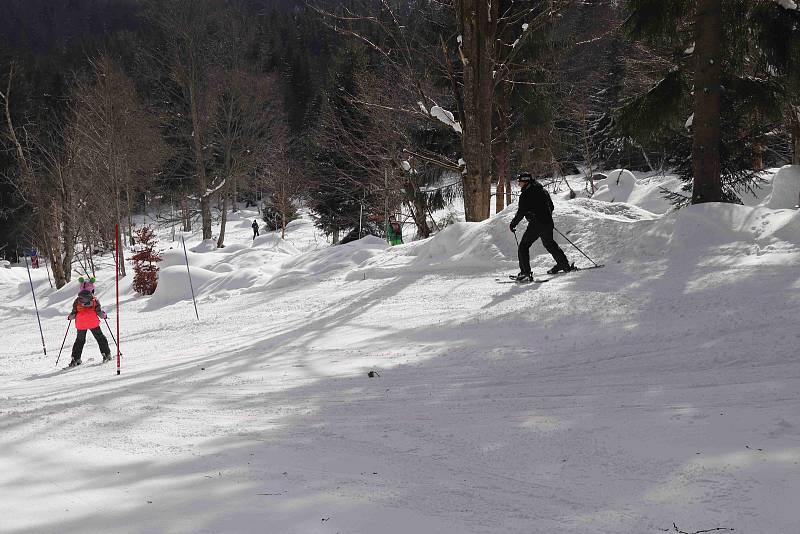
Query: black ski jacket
point(534, 203)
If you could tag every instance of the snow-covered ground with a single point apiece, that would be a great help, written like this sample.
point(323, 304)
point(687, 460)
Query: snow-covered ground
point(663, 388)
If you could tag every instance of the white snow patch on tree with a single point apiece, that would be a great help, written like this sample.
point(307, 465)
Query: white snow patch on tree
point(787, 4)
point(689, 121)
point(446, 117)
point(406, 165)
point(423, 108)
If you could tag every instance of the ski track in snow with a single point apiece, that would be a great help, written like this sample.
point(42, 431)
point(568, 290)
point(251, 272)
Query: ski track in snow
point(663, 388)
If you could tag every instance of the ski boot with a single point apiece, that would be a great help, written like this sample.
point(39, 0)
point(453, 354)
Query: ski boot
point(106, 357)
point(74, 363)
point(558, 268)
point(523, 277)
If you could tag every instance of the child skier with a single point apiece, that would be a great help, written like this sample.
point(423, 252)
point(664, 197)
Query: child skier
point(395, 231)
point(87, 313)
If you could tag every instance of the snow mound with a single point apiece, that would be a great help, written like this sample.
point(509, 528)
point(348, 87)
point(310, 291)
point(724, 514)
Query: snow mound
point(717, 225)
point(646, 193)
point(597, 226)
point(173, 284)
point(785, 188)
point(327, 261)
point(617, 187)
point(275, 244)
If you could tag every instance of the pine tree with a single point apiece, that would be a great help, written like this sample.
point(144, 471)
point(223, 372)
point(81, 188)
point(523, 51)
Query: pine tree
point(145, 279)
point(705, 51)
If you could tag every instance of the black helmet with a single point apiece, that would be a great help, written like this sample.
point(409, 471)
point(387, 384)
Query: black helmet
point(525, 177)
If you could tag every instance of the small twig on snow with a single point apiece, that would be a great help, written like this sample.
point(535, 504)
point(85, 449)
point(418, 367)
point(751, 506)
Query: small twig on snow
point(700, 531)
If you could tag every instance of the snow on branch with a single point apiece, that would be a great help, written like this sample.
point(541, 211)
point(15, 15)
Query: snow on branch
point(211, 191)
point(787, 4)
point(446, 117)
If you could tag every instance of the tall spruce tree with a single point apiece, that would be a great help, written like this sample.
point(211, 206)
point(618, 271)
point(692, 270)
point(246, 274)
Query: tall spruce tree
point(707, 74)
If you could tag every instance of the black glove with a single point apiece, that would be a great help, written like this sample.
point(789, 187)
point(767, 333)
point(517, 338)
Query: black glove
point(71, 316)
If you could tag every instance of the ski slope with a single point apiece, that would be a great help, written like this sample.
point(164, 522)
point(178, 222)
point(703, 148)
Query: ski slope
point(664, 388)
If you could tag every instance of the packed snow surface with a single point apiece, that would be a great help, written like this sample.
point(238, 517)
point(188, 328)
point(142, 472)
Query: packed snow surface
point(662, 388)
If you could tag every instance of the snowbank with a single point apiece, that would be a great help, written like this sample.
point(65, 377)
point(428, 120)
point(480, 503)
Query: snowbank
point(646, 193)
point(617, 187)
point(713, 225)
point(340, 258)
point(173, 284)
point(785, 188)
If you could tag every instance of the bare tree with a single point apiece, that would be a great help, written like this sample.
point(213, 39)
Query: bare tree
point(47, 183)
point(250, 129)
point(189, 54)
point(120, 145)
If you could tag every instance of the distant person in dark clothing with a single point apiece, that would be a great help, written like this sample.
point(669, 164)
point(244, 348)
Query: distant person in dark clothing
point(255, 228)
point(536, 206)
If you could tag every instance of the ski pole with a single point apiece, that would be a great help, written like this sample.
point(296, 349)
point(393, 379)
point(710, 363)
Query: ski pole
point(515, 238)
point(190, 277)
point(35, 305)
point(576, 246)
point(112, 335)
point(62, 343)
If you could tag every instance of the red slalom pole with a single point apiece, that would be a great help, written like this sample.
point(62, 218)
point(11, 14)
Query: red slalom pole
point(116, 264)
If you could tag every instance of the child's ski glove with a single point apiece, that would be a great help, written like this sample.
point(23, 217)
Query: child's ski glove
point(71, 316)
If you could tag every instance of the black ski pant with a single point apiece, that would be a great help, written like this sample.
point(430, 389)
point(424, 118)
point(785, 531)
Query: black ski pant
point(77, 348)
point(255, 233)
point(535, 231)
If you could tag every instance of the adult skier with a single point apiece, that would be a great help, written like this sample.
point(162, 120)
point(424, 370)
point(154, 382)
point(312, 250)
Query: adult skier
point(536, 206)
point(86, 312)
point(254, 226)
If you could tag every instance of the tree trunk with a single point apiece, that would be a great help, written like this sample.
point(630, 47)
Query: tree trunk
point(707, 82)
point(501, 146)
point(478, 25)
point(186, 217)
point(51, 249)
point(418, 209)
point(130, 214)
point(221, 239)
point(235, 196)
point(758, 157)
point(795, 135)
point(121, 254)
point(200, 167)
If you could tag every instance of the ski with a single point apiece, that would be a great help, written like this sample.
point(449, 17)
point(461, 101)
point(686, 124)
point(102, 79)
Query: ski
point(89, 363)
point(537, 278)
point(513, 280)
